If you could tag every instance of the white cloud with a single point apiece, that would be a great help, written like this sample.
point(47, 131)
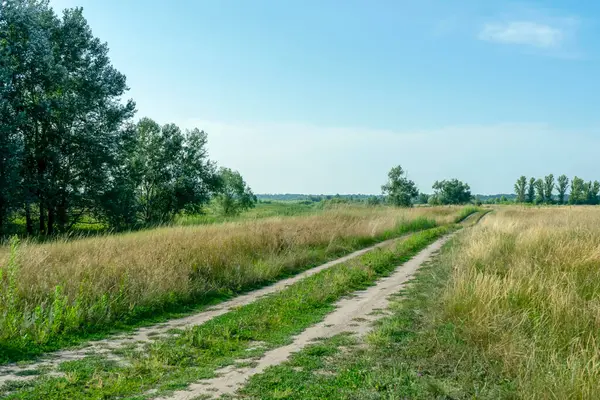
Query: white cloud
point(524, 33)
point(298, 158)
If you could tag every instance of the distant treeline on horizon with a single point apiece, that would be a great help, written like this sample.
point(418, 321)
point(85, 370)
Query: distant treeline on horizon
point(358, 196)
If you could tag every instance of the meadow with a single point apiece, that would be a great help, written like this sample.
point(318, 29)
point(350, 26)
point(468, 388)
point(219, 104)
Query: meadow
point(51, 292)
point(509, 310)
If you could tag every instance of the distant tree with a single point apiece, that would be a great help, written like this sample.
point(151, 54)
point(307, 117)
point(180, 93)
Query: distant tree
point(578, 191)
point(548, 188)
point(520, 189)
point(539, 191)
point(434, 200)
point(531, 191)
point(373, 201)
point(400, 190)
point(503, 199)
point(591, 190)
point(423, 198)
point(452, 191)
point(563, 185)
point(234, 195)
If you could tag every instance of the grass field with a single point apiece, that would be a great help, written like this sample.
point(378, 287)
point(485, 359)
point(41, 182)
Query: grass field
point(508, 311)
point(173, 362)
point(55, 292)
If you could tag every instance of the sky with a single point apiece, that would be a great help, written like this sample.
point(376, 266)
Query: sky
point(324, 97)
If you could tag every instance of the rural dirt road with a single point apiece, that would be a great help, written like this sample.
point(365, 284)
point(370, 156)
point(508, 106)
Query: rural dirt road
point(106, 347)
point(354, 314)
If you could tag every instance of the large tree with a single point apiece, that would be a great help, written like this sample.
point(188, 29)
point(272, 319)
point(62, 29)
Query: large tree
point(520, 189)
point(539, 191)
point(169, 171)
point(531, 190)
point(562, 186)
point(399, 190)
point(548, 188)
point(578, 192)
point(452, 191)
point(68, 110)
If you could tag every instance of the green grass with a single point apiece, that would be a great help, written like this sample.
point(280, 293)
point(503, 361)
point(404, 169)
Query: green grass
point(410, 355)
point(171, 363)
point(466, 212)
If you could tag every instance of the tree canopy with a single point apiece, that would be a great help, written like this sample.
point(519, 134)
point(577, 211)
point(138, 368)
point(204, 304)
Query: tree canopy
point(452, 191)
point(399, 190)
point(69, 145)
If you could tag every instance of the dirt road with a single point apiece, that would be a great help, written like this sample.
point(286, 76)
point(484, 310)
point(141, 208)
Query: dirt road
point(353, 314)
point(106, 347)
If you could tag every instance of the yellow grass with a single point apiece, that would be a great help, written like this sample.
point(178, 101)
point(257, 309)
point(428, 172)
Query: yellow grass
point(103, 277)
point(526, 292)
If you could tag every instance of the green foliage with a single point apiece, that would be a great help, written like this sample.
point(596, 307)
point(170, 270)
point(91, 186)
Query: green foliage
point(400, 190)
point(548, 188)
point(520, 189)
point(531, 191)
point(563, 185)
point(423, 198)
point(234, 194)
point(539, 191)
point(466, 212)
point(452, 191)
point(373, 201)
point(578, 191)
point(69, 147)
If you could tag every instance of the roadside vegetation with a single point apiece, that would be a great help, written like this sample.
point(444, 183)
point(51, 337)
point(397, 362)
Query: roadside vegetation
point(64, 288)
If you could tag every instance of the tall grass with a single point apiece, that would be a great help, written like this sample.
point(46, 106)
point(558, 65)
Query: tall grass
point(62, 287)
point(526, 294)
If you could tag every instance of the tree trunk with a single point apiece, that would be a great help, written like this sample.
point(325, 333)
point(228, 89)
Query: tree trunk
point(61, 214)
point(51, 215)
point(28, 221)
point(42, 217)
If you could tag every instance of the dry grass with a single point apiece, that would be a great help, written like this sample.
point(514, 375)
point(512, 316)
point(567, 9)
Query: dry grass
point(61, 286)
point(526, 293)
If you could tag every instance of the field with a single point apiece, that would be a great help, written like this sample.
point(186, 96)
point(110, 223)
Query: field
point(58, 291)
point(508, 308)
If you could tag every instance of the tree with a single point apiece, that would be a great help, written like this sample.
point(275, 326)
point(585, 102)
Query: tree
point(452, 191)
point(520, 188)
point(531, 191)
point(578, 193)
point(234, 194)
point(548, 188)
point(400, 190)
point(539, 191)
point(169, 171)
point(423, 198)
point(563, 185)
point(65, 98)
point(373, 201)
point(591, 190)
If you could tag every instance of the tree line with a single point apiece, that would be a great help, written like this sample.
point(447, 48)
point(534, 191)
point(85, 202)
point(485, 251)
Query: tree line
point(547, 190)
point(401, 191)
point(69, 147)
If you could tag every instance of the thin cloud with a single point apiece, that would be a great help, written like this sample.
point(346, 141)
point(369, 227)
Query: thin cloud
point(523, 33)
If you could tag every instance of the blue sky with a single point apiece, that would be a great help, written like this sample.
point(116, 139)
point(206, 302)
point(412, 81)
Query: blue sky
point(326, 96)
